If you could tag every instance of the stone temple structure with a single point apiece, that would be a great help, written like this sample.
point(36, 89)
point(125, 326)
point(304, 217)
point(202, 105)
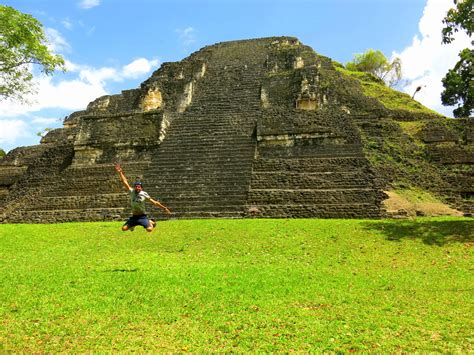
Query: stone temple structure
point(252, 128)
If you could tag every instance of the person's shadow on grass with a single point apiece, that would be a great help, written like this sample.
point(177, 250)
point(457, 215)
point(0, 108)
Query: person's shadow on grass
point(430, 232)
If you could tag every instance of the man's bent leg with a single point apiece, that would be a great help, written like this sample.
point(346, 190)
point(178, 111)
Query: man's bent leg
point(129, 225)
point(151, 225)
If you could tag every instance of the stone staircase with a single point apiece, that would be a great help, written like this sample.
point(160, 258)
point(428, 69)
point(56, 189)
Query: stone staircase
point(80, 193)
point(203, 166)
point(319, 185)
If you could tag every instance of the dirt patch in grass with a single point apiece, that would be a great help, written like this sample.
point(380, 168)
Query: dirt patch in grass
point(406, 204)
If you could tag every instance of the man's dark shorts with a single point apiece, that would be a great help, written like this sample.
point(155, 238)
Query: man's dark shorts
point(140, 220)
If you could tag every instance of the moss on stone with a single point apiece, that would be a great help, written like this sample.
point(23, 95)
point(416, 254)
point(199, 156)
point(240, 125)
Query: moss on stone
point(412, 128)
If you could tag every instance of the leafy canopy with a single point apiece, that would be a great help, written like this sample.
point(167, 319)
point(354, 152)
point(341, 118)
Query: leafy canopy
point(22, 44)
point(458, 85)
point(458, 82)
point(376, 63)
point(459, 18)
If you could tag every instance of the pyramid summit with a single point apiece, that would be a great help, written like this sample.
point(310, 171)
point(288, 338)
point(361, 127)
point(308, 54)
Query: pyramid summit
point(250, 128)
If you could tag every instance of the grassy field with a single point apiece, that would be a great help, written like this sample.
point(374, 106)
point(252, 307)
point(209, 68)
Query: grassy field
point(239, 285)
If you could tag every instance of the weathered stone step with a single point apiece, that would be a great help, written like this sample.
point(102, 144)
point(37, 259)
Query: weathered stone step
point(188, 159)
point(310, 164)
point(208, 214)
point(227, 165)
point(48, 202)
point(206, 142)
point(213, 114)
point(205, 207)
point(287, 180)
point(68, 187)
point(182, 193)
point(184, 141)
point(320, 150)
point(243, 159)
point(215, 105)
point(187, 165)
point(58, 216)
point(188, 199)
point(206, 133)
point(74, 189)
point(212, 134)
point(199, 150)
point(319, 196)
point(196, 176)
point(349, 210)
point(193, 126)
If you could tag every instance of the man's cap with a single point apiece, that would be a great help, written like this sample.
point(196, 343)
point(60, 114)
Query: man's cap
point(136, 183)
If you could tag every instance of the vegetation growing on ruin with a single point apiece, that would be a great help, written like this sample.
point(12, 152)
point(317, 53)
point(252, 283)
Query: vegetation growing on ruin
point(412, 128)
point(390, 98)
point(238, 286)
point(399, 157)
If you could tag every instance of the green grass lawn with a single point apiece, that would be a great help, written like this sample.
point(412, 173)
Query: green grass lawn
point(239, 285)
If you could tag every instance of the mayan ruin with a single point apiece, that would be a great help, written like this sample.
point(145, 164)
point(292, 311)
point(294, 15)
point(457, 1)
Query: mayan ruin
point(260, 128)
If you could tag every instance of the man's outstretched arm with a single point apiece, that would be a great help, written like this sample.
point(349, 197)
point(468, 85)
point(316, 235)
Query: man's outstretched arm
point(123, 179)
point(160, 205)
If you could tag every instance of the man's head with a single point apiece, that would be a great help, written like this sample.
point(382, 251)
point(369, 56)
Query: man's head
point(137, 185)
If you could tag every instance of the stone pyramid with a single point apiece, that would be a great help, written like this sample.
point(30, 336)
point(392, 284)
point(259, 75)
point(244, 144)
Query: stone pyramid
point(251, 128)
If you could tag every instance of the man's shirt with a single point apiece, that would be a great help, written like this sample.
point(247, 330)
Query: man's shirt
point(137, 201)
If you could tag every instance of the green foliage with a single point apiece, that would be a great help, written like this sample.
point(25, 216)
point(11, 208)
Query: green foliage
point(44, 132)
point(458, 85)
point(416, 195)
point(376, 63)
point(398, 155)
point(412, 128)
point(2, 153)
point(461, 17)
point(22, 44)
point(206, 286)
point(390, 98)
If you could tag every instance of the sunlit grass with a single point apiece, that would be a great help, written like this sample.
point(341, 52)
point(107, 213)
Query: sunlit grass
point(390, 98)
point(239, 285)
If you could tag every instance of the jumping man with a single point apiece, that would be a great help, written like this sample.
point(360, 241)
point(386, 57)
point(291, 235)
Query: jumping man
point(137, 201)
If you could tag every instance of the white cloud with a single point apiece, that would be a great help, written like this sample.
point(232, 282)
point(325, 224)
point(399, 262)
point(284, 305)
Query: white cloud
point(138, 67)
point(57, 43)
point(88, 4)
point(99, 76)
point(44, 120)
point(426, 61)
point(11, 130)
point(67, 94)
point(75, 94)
point(187, 36)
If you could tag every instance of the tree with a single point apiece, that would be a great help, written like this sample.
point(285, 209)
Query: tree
point(376, 63)
point(22, 44)
point(2, 153)
point(460, 17)
point(458, 87)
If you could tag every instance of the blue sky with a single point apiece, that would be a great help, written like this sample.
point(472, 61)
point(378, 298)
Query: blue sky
point(114, 45)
